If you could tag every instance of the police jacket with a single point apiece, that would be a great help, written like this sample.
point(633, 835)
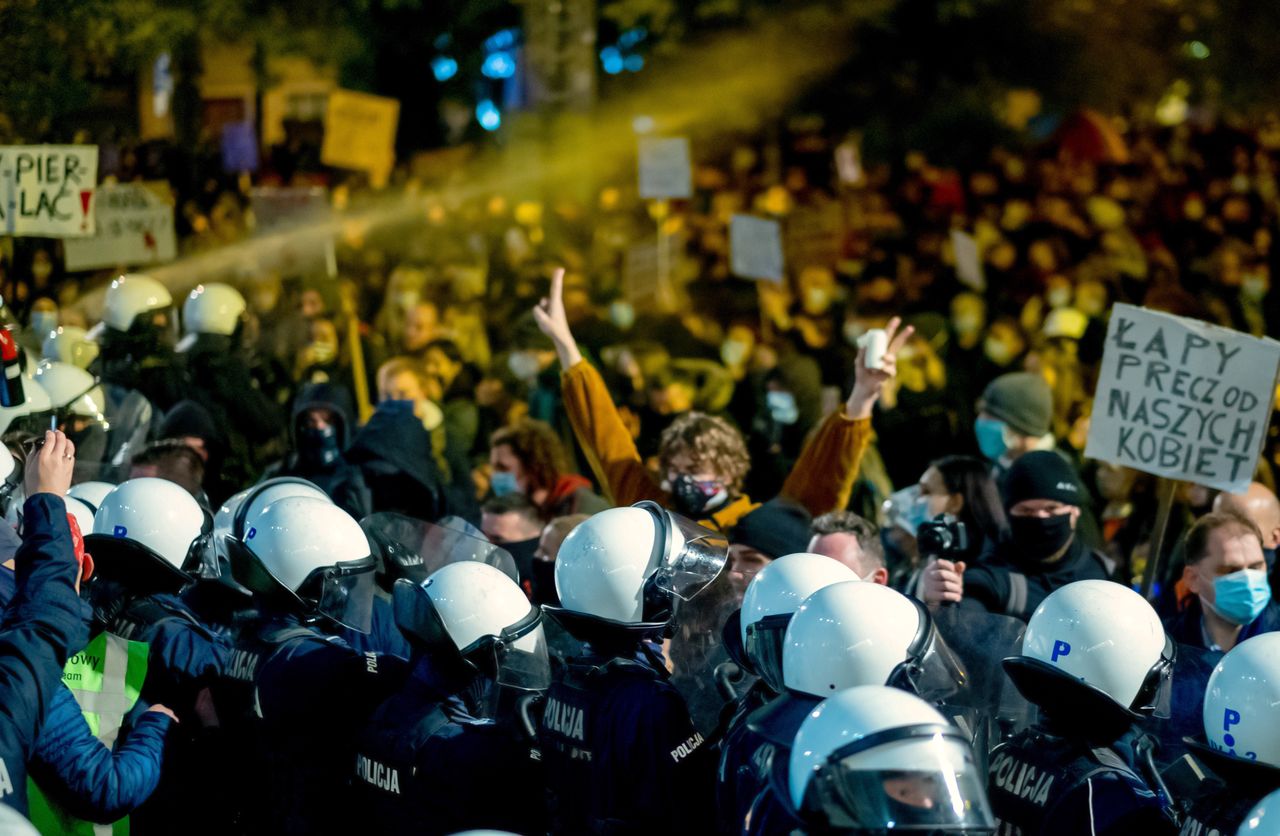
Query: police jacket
point(313, 695)
point(426, 765)
point(1039, 783)
point(41, 626)
point(764, 747)
point(383, 636)
point(88, 779)
point(1227, 795)
point(622, 755)
point(1002, 583)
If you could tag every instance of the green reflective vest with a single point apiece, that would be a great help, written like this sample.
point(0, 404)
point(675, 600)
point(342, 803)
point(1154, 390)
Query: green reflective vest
point(106, 679)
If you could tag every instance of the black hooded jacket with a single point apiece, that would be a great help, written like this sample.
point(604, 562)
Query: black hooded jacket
point(340, 479)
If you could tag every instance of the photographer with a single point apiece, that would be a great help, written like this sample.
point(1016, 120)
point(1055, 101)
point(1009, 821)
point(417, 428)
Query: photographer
point(1041, 554)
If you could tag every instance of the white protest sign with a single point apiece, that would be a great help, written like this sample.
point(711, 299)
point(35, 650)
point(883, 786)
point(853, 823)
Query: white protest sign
point(968, 263)
point(135, 227)
point(664, 168)
point(47, 190)
point(1182, 399)
point(755, 248)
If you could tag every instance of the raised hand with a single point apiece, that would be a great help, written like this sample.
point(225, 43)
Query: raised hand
point(551, 319)
point(868, 383)
point(49, 468)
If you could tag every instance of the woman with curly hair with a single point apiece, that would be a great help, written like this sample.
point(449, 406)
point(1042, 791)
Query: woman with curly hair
point(528, 458)
point(703, 458)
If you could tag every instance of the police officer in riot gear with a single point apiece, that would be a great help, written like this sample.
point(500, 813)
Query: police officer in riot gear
point(213, 358)
point(147, 535)
point(873, 759)
point(1096, 660)
point(1241, 743)
point(136, 338)
point(770, 600)
point(846, 635)
point(621, 753)
point(430, 754)
point(295, 695)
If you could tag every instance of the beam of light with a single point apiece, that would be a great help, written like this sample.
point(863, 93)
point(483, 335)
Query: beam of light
point(729, 84)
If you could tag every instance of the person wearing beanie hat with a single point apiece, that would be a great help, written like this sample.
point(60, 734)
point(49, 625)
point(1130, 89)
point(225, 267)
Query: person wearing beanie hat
point(1044, 500)
point(779, 526)
point(1014, 417)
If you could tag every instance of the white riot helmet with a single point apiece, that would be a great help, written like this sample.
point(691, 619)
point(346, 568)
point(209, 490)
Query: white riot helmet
point(213, 308)
point(857, 633)
point(91, 493)
point(1095, 649)
point(873, 758)
point(625, 567)
point(1242, 702)
point(473, 618)
point(308, 555)
point(69, 344)
point(130, 296)
point(81, 511)
point(1263, 819)
point(772, 597)
point(247, 504)
point(146, 533)
point(71, 390)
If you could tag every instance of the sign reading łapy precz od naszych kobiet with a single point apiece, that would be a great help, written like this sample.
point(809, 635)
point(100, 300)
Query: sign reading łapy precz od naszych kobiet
point(1182, 399)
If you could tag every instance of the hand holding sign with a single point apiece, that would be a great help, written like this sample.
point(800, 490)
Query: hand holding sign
point(1182, 399)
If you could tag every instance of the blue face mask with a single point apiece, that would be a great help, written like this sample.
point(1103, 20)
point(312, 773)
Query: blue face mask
point(503, 483)
point(916, 514)
point(990, 433)
point(1241, 596)
point(782, 407)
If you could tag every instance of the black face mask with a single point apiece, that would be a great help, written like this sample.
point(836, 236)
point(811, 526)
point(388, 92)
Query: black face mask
point(1036, 539)
point(694, 498)
point(319, 445)
point(544, 583)
point(521, 552)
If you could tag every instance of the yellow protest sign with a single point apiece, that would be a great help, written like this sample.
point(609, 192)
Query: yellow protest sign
point(360, 133)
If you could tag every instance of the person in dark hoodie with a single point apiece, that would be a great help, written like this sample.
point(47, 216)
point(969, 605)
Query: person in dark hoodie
point(321, 429)
point(529, 459)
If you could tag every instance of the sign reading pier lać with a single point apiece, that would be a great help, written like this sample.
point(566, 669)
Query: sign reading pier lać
point(1183, 399)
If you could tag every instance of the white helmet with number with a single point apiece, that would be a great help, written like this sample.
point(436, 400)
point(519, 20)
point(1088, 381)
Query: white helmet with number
point(308, 554)
point(213, 308)
point(147, 528)
point(130, 296)
point(1099, 641)
point(247, 504)
point(858, 633)
point(1263, 819)
point(474, 614)
point(69, 344)
point(772, 597)
point(71, 390)
point(91, 493)
point(1242, 701)
point(872, 758)
point(625, 566)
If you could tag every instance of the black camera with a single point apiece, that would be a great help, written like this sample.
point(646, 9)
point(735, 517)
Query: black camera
point(942, 536)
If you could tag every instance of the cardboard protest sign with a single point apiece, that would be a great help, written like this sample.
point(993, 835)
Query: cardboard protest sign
point(1182, 399)
point(968, 263)
point(47, 190)
point(755, 248)
point(360, 133)
point(665, 170)
point(135, 227)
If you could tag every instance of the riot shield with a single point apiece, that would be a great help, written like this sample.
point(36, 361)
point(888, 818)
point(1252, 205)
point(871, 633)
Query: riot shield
point(988, 708)
point(410, 548)
point(697, 649)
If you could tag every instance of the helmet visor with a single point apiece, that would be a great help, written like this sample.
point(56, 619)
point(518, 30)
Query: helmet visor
point(413, 549)
point(933, 675)
point(693, 556)
point(520, 655)
point(764, 648)
point(1155, 697)
point(913, 779)
point(346, 593)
